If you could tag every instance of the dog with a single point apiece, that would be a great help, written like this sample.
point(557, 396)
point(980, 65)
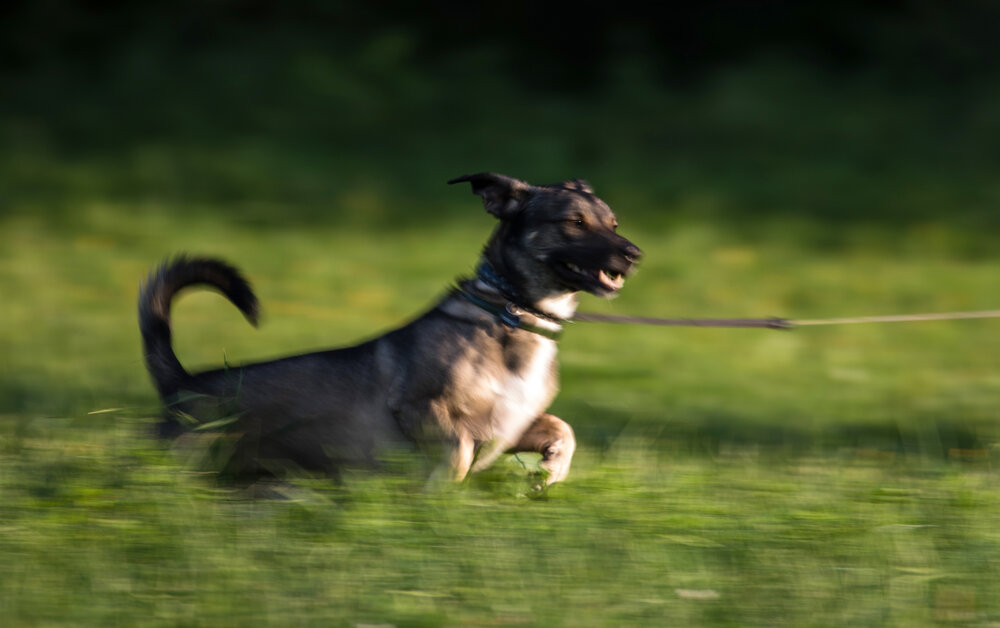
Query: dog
point(474, 374)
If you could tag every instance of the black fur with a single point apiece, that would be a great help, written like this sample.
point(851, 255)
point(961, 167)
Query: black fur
point(155, 296)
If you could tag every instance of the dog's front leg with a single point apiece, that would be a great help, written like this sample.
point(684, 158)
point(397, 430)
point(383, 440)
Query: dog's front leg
point(548, 435)
point(553, 438)
point(462, 453)
point(428, 422)
point(455, 464)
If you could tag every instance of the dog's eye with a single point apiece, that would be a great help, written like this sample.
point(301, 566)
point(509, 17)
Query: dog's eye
point(574, 223)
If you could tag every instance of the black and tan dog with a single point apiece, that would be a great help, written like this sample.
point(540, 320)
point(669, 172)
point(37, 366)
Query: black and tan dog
point(475, 373)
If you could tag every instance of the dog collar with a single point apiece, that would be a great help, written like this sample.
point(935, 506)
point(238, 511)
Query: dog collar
point(488, 275)
point(510, 316)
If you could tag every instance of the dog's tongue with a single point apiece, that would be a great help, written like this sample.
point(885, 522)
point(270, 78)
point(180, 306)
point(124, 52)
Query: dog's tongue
point(612, 283)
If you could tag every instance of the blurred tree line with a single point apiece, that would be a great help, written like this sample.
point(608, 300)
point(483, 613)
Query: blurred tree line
point(558, 45)
point(846, 109)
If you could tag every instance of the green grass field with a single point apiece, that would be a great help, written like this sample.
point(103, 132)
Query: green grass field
point(840, 476)
point(836, 476)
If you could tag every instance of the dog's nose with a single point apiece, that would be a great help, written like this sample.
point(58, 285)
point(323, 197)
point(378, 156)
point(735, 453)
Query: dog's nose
point(632, 252)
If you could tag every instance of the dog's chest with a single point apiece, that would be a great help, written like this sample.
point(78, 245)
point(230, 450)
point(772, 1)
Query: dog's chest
point(526, 387)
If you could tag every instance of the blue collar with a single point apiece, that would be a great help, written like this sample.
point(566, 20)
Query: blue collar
point(511, 313)
point(509, 316)
point(488, 275)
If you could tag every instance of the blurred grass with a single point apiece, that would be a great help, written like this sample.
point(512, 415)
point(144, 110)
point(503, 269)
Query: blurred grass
point(109, 531)
point(835, 476)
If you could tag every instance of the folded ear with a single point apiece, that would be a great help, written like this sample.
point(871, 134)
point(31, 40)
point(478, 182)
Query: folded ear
point(503, 196)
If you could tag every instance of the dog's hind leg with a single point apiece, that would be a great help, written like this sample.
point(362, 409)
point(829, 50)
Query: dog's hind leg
point(553, 438)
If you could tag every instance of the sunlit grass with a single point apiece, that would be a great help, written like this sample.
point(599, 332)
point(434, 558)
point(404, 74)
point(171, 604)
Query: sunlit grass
point(103, 528)
point(839, 476)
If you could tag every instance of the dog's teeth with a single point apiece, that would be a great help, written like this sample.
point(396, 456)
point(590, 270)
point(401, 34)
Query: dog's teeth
point(611, 279)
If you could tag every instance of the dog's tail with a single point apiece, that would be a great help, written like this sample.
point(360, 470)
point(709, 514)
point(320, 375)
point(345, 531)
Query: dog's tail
point(155, 296)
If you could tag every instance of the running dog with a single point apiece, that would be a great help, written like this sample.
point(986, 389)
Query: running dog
point(475, 373)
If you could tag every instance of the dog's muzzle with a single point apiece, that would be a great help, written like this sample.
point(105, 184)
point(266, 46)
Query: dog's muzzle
point(605, 278)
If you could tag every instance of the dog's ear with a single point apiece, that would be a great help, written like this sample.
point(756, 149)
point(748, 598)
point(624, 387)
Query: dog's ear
point(502, 196)
point(580, 186)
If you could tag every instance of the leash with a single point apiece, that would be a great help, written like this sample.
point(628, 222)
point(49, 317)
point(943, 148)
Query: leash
point(780, 323)
point(485, 272)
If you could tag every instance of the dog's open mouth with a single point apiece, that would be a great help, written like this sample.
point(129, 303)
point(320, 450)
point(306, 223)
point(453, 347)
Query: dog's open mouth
point(605, 280)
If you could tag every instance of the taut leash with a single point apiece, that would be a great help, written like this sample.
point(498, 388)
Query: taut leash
point(762, 323)
point(780, 323)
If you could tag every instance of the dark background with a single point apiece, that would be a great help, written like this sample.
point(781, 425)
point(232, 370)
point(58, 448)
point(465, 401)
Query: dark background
point(565, 47)
point(879, 112)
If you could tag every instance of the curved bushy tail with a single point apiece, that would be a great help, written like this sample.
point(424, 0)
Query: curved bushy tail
point(155, 296)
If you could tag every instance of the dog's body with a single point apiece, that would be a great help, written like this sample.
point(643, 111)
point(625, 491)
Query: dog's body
point(475, 373)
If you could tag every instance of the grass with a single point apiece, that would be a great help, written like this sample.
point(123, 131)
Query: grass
point(107, 531)
point(839, 476)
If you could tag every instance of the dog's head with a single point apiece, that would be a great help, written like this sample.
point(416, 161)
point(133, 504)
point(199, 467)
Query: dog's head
point(553, 239)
